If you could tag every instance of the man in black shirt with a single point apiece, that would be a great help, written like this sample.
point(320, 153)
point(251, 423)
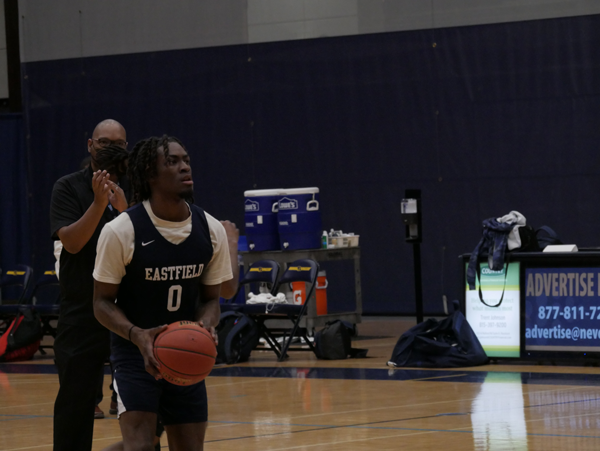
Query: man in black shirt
point(82, 203)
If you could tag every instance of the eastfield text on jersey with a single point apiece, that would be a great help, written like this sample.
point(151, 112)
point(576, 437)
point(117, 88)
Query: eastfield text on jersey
point(174, 272)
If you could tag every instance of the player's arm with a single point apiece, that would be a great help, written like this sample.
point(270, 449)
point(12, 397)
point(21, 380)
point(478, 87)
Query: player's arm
point(229, 287)
point(76, 235)
point(209, 311)
point(112, 317)
point(113, 253)
point(106, 311)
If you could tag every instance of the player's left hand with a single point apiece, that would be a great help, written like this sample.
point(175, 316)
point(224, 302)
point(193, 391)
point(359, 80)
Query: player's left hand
point(116, 197)
point(212, 330)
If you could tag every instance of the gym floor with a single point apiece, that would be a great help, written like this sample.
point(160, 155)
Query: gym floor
point(361, 404)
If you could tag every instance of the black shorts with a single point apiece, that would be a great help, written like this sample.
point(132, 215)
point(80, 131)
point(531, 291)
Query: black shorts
point(137, 390)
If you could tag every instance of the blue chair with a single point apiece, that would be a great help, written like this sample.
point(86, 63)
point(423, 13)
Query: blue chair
point(45, 299)
point(304, 270)
point(14, 286)
point(260, 272)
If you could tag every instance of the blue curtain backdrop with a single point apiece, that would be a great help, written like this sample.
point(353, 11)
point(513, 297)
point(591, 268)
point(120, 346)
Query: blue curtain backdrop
point(15, 234)
point(483, 119)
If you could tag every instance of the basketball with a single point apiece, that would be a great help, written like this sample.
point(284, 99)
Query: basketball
point(186, 353)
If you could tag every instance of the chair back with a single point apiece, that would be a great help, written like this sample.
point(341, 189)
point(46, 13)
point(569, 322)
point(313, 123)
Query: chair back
point(262, 271)
point(15, 282)
point(305, 270)
point(46, 290)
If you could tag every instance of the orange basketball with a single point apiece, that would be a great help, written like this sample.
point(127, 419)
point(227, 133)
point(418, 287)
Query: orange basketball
point(186, 353)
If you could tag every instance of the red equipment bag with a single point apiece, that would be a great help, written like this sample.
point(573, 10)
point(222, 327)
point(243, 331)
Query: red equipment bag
point(22, 337)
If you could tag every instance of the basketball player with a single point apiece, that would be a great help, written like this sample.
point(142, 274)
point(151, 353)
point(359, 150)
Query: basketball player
point(81, 204)
point(166, 259)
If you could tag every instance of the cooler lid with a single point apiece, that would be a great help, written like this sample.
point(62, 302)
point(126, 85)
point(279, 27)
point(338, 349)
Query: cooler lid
point(312, 190)
point(263, 192)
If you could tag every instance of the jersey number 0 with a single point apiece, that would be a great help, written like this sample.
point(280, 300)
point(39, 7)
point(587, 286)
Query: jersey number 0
point(174, 298)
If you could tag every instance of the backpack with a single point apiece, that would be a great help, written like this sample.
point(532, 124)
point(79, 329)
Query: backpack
point(529, 240)
point(22, 338)
point(238, 336)
point(546, 236)
point(450, 343)
point(334, 342)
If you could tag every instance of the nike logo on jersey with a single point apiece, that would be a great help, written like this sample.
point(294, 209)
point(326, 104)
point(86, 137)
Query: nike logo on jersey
point(149, 242)
point(174, 272)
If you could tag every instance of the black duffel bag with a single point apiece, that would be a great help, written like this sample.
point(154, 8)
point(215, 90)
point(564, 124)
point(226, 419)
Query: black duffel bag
point(450, 343)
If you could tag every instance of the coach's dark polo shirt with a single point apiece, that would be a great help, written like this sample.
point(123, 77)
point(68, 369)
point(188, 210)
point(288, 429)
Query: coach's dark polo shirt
point(72, 195)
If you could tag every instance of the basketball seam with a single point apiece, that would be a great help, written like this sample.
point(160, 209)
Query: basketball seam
point(185, 350)
point(191, 376)
point(195, 329)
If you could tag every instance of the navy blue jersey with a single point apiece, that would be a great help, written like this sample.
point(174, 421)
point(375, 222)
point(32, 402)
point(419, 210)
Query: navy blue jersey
point(162, 282)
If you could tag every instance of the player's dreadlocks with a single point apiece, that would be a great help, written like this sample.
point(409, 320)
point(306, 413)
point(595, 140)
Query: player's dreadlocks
point(112, 159)
point(142, 165)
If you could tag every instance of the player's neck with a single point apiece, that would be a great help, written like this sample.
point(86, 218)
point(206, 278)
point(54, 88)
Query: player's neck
point(169, 209)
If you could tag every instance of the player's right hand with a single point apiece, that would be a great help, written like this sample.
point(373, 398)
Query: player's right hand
point(144, 340)
point(232, 232)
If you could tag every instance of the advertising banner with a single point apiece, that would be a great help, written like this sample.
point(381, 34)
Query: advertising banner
point(562, 309)
point(497, 328)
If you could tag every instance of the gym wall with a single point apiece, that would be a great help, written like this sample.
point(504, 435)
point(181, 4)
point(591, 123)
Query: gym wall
point(485, 108)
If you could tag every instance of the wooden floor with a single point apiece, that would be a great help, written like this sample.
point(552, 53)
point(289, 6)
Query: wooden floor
point(308, 404)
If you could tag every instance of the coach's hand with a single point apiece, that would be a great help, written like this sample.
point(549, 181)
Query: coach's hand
point(144, 339)
point(101, 187)
point(116, 197)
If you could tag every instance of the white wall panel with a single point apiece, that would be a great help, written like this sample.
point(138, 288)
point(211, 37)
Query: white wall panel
point(2, 29)
point(278, 20)
point(378, 16)
point(326, 28)
point(451, 13)
point(60, 29)
point(280, 31)
point(264, 12)
point(330, 9)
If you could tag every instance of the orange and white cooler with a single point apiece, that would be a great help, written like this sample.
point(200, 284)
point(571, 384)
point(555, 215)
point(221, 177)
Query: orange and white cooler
point(299, 293)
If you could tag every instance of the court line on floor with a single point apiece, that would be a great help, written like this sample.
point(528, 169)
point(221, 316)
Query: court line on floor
point(316, 428)
point(252, 381)
point(404, 406)
point(49, 445)
point(367, 425)
point(26, 405)
point(29, 382)
point(437, 377)
point(418, 431)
